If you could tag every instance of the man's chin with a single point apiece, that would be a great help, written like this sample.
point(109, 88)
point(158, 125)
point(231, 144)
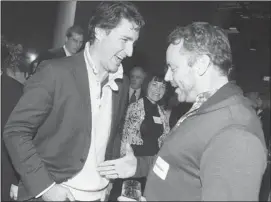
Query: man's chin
point(183, 97)
point(74, 52)
point(180, 95)
point(113, 69)
point(134, 87)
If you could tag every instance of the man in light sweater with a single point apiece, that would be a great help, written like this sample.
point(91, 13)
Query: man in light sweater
point(66, 122)
point(216, 151)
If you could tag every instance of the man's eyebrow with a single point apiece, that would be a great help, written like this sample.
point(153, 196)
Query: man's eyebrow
point(127, 37)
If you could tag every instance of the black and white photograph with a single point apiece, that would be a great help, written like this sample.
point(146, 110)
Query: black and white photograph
point(135, 101)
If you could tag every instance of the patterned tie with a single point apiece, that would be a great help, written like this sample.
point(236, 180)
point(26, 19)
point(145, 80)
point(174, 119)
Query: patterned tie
point(133, 97)
point(201, 98)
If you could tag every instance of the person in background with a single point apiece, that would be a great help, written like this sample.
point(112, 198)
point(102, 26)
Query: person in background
point(145, 127)
point(137, 76)
point(65, 123)
point(14, 65)
point(261, 103)
point(256, 101)
point(136, 91)
point(11, 91)
point(216, 151)
point(265, 190)
point(73, 43)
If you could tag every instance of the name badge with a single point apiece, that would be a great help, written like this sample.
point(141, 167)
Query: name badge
point(161, 168)
point(157, 120)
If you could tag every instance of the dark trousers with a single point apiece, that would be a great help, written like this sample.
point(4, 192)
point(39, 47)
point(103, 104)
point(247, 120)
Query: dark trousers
point(265, 186)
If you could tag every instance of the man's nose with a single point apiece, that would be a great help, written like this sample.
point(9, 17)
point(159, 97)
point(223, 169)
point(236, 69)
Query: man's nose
point(168, 76)
point(78, 43)
point(129, 50)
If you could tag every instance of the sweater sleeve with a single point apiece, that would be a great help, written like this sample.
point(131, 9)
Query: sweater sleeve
point(144, 164)
point(232, 166)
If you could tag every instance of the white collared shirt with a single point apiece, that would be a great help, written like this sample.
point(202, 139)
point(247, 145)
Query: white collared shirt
point(67, 52)
point(88, 184)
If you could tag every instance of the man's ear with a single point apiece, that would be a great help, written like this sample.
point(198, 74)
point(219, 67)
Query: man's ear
point(202, 64)
point(99, 33)
point(66, 39)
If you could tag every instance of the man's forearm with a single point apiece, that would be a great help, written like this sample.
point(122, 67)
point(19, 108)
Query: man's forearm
point(144, 164)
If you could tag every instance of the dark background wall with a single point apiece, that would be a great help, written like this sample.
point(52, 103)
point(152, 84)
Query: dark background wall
point(162, 17)
point(32, 24)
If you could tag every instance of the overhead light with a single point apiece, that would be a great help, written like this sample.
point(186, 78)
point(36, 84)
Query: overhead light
point(244, 17)
point(252, 45)
point(232, 30)
point(32, 56)
point(266, 78)
point(228, 5)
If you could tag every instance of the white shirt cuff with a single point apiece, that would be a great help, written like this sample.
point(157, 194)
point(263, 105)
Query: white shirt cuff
point(44, 191)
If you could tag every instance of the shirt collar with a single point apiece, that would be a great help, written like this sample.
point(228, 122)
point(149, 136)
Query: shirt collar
point(111, 76)
point(201, 98)
point(67, 52)
point(137, 91)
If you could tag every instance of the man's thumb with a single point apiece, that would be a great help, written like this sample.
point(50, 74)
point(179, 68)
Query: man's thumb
point(129, 149)
point(11, 195)
point(142, 198)
point(70, 196)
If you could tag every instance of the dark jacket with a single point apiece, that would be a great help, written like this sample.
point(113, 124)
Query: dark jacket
point(47, 55)
point(11, 91)
point(265, 186)
point(48, 135)
point(51, 54)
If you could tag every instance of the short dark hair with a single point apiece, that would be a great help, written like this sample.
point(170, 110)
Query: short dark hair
point(159, 78)
point(108, 15)
point(201, 38)
point(74, 29)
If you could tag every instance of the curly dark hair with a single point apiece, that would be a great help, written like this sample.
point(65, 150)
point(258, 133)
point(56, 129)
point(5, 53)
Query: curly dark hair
point(108, 15)
point(158, 78)
point(202, 38)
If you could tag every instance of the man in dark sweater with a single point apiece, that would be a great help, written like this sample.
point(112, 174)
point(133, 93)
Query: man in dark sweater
point(216, 151)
